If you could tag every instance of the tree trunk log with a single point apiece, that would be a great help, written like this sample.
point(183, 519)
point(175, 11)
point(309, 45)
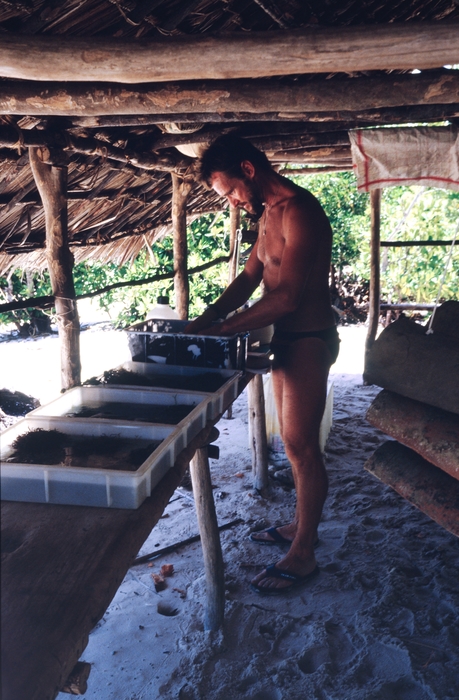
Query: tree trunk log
point(425, 486)
point(429, 431)
point(404, 45)
point(257, 432)
point(423, 367)
point(210, 539)
point(51, 182)
point(180, 191)
point(375, 238)
point(216, 97)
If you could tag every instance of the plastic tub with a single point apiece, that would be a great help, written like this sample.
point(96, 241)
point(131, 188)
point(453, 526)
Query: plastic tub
point(56, 483)
point(164, 342)
point(100, 396)
point(218, 400)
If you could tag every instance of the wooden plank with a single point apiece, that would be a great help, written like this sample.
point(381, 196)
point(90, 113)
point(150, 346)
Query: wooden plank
point(429, 431)
point(61, 567)
point(425, 486)
point(404, 45)
point(222, 96)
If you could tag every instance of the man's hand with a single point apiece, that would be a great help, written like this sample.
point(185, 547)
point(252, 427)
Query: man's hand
point(202, 322)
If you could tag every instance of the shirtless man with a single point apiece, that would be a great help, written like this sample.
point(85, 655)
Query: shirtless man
point(292, 258)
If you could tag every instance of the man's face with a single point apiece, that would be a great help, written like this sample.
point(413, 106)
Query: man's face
point(240, 192)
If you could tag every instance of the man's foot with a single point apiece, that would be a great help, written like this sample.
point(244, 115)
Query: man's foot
point(277, 581)
point(270, 536)
point(283, 534)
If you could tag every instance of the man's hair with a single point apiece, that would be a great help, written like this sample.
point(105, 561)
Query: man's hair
point(226, 154)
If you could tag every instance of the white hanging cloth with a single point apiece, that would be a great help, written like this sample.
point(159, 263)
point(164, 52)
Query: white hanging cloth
point(406, 156)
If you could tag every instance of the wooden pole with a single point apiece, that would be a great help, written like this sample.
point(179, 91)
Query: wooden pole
point(257, 432)
point(235, 222)
point(402, 45)
point(180, 191)
point(51, 182)
point(262, 97)
point(211, 547)
point(374, 301)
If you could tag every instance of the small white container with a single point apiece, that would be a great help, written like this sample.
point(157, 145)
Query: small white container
point(162, 310)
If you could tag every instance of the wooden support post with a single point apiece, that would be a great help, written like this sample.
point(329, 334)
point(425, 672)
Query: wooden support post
point(373, 311)
point(180, 191)
point(51, 182)
point(211, 547)
point(235, 222)
point(259, 442)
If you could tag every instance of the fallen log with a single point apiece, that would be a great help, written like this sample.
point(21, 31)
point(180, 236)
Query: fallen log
point(406, 360)
point(421, 483)
point(429, 431)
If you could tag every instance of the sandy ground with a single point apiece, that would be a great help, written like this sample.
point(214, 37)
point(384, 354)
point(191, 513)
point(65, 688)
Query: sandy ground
point(379, 623)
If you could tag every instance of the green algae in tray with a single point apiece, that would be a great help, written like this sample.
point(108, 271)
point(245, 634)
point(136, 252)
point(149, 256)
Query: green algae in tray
point(85, 475)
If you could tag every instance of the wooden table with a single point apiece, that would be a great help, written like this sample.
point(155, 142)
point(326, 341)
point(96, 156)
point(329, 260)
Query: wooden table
point(62, 565)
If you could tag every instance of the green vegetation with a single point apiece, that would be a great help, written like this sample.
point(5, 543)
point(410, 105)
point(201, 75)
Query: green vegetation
point(408, 274)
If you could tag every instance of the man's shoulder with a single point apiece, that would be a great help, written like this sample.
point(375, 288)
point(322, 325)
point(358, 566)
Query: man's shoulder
point(302, 202)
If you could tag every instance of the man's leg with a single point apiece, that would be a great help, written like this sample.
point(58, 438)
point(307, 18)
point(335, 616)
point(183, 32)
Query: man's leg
point(300, 388)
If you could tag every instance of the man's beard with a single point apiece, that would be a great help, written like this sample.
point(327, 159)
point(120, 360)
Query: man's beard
point(255, 201)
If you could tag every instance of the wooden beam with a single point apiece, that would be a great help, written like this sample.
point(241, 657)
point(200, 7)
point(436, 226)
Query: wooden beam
point(348, 119)
point(240, 96)
point(51, 182)
point(373, 311)
point(180, 190)
point(65, 142)
point(404, 45)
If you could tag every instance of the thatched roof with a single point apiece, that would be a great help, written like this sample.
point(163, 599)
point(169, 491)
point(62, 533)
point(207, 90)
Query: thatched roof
point(119, 163)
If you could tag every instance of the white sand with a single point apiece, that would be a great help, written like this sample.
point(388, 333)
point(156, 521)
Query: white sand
point(379, 623)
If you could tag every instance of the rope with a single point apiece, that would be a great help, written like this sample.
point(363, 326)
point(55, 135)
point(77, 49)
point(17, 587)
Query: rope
point(450, 254)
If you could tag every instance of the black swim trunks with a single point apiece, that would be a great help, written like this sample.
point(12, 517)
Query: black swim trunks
point(282, 340)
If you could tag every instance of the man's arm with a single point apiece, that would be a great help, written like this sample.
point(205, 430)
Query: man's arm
point(234, 296)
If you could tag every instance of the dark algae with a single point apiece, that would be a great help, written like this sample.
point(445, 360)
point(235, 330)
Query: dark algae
point(206, 381)
point(149, 413)
point(41, 446)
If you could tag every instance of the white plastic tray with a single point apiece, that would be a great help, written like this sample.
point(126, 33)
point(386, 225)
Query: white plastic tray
point(95, 395)
point(41, 483)
point(218, 401)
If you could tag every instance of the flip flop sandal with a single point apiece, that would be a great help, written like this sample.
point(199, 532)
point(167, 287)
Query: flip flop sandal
point(295, 580)
point(277, 538)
